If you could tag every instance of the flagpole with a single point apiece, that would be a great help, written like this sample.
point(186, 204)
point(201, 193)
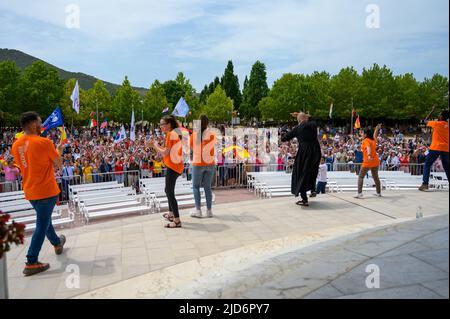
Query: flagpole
point(351, 123)
point(96, 104)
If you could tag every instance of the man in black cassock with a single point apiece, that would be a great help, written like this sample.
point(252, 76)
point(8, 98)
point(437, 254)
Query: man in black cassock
point(306, 165)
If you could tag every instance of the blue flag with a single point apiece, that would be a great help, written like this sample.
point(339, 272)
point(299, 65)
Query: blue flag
point(54, 120)
point(182, 109)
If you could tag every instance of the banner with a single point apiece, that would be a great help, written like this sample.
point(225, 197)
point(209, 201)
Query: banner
point(181, 109)
point(331, 111)
point(63, 135)
point(54, 120)
point(132, 128)
point(121, 135)
point(75, 97)
point(357, 123)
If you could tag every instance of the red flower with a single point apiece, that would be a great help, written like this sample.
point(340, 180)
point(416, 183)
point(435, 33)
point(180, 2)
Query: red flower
point(12, 233)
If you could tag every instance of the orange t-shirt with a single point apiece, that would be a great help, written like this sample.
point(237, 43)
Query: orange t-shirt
point(374, 161)
point(174, 160)
point(35, 156)
point(203, 151)
point(439, 141)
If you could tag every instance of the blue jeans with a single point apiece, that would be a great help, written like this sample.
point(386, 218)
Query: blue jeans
point(202, 176)
point(320, 189)
point(430, 159)
point(44, 227)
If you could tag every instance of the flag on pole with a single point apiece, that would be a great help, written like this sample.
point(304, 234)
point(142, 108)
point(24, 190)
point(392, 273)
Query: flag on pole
point(19, 135)
point(331, 110)
point(104, 124)
point(132, 128)
point(165, 111)
point(181, 109)
point(63, 135)
point(120, 136)
point(75, 97)
point(357, 123)
point(54, 120)
point(92, 123)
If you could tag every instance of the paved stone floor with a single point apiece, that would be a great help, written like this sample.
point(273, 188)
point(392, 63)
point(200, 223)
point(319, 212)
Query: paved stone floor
point(135, 257)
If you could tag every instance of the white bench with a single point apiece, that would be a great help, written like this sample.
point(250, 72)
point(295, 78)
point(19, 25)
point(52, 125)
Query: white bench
point(182, 200)
point(91, 213)
point(56, 222)
point(13, 203)
point(84, 196)
point(7, 194)
point(11, 197)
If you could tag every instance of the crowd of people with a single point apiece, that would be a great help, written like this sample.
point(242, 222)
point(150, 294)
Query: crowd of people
point(88, 158)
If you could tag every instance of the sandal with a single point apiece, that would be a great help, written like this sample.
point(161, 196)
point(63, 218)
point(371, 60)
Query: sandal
point(171, 225)
point(302, 203)
point(168, 216)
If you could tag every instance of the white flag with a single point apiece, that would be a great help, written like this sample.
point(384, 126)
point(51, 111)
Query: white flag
point(132, 129)
point(181, 109)
point(331, 110)
point(75, 97)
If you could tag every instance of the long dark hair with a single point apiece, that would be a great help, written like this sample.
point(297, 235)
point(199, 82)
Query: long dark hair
point(170, 119)
point(369, 133)
point(204, 121)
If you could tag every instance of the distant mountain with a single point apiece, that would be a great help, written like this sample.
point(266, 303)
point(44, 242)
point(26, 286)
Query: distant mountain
point(85, 81)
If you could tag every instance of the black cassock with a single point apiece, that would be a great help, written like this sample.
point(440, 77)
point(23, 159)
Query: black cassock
point(306, 165)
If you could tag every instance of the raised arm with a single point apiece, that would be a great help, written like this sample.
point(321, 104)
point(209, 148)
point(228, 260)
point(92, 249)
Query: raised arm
point(375, 134)
point(431, 113)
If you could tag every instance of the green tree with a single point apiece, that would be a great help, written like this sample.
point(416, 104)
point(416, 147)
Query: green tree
point(406, 98)
point(9, 93)
point(98, 96)
point(125, 100)
point(255, 90)
point(41, 89)
point(375, 98)
point(284, 97)
point(155, 102)
point(318, 100)
point(173, 91)
point(343, 88)
point(434, 90)
point(230, 83)
point(218, 106)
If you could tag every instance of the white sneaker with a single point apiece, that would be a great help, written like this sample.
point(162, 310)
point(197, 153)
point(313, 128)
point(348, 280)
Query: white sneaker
point(377, 195)
point(197, 213)
point(360, 195)
point(209, 213)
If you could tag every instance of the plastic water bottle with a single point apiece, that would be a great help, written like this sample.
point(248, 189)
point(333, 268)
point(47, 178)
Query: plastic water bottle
point(419, 213)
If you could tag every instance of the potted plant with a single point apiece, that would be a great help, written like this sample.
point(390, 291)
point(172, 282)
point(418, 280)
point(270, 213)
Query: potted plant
point(9, 233)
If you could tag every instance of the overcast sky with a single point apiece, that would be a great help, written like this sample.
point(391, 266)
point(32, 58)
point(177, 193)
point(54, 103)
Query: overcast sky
point(155, 39)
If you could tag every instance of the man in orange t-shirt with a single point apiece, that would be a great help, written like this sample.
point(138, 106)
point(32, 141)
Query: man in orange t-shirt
point(36, 157)
point(438, 147)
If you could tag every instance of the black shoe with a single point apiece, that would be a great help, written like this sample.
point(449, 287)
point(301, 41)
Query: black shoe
point(302, 203)
point(313, 194)
point(33, 269)
point(59, 248)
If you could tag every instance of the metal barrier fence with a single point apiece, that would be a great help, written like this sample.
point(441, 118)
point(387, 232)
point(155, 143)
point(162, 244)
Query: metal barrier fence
point(10, 186)
point(227, 175)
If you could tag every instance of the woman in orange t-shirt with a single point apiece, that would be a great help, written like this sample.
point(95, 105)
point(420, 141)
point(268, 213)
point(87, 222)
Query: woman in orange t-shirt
point(204, 166)
point(173, 160)
point(370, 160)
